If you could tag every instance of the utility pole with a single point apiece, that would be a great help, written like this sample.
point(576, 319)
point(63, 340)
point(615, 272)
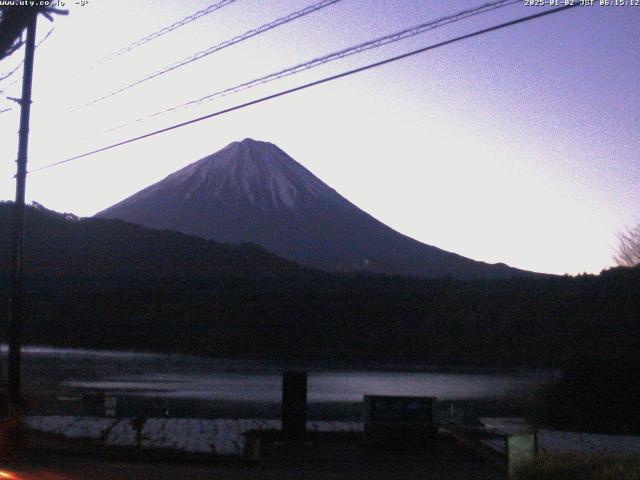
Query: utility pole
point(16, 307)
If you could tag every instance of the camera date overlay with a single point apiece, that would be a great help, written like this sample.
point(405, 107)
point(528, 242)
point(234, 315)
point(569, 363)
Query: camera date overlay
point(582, 3)
point(42, 3)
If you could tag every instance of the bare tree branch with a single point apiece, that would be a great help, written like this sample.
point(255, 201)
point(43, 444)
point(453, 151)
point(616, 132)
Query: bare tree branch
point(14, 20)
point(628, 251)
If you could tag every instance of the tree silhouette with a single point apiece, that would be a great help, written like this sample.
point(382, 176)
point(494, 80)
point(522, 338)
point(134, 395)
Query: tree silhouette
point(628, 251)
point(13, 21)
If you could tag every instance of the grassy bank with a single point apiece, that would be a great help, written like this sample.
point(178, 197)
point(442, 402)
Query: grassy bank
point(573, 466)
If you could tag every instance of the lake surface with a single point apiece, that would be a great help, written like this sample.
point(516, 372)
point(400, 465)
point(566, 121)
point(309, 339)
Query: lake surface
point(194, 378)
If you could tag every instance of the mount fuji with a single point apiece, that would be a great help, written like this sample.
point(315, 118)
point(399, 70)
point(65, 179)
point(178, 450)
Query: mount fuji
point(252, 191)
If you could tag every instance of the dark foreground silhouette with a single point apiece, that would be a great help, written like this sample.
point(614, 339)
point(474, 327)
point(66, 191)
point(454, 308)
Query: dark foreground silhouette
point(108, 284)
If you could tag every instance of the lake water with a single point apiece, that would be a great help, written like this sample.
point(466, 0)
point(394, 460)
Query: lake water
point(193, 378)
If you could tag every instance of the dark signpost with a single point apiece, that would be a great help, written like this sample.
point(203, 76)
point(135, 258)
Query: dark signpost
point(399, 420)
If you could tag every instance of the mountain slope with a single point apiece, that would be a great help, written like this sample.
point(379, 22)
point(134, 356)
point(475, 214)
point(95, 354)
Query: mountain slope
point(253, 191)
point(111, 285)
point(99, 252)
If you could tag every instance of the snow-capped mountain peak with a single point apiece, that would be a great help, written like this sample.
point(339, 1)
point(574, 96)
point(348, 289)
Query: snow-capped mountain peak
point(258, 172)
point(252, 191)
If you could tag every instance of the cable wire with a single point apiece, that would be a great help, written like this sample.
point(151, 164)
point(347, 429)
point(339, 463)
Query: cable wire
point(4, 76)
point(311, 84)
point(215, 48)
point(340, 54)
point(163, 31)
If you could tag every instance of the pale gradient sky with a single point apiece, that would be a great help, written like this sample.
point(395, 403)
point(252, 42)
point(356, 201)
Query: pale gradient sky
point(520, 146)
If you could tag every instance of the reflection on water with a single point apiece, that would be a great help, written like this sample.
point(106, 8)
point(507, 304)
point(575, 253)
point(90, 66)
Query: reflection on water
point(323, 386)
point(184, 377)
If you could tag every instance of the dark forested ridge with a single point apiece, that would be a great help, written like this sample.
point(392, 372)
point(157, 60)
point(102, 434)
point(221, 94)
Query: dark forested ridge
point(108, 284)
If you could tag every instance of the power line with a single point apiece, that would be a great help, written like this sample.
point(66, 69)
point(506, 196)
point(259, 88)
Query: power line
point(163, 31)
point(14, 21)
point(4, 76)
point(362, 47)
point(312, 84)
point(215, 48)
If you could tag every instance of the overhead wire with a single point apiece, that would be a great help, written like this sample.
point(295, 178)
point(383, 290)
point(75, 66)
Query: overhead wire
point(215, 48)
point(4, 76)
point(318, 61)
point(312, 84)
point(163, 31)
